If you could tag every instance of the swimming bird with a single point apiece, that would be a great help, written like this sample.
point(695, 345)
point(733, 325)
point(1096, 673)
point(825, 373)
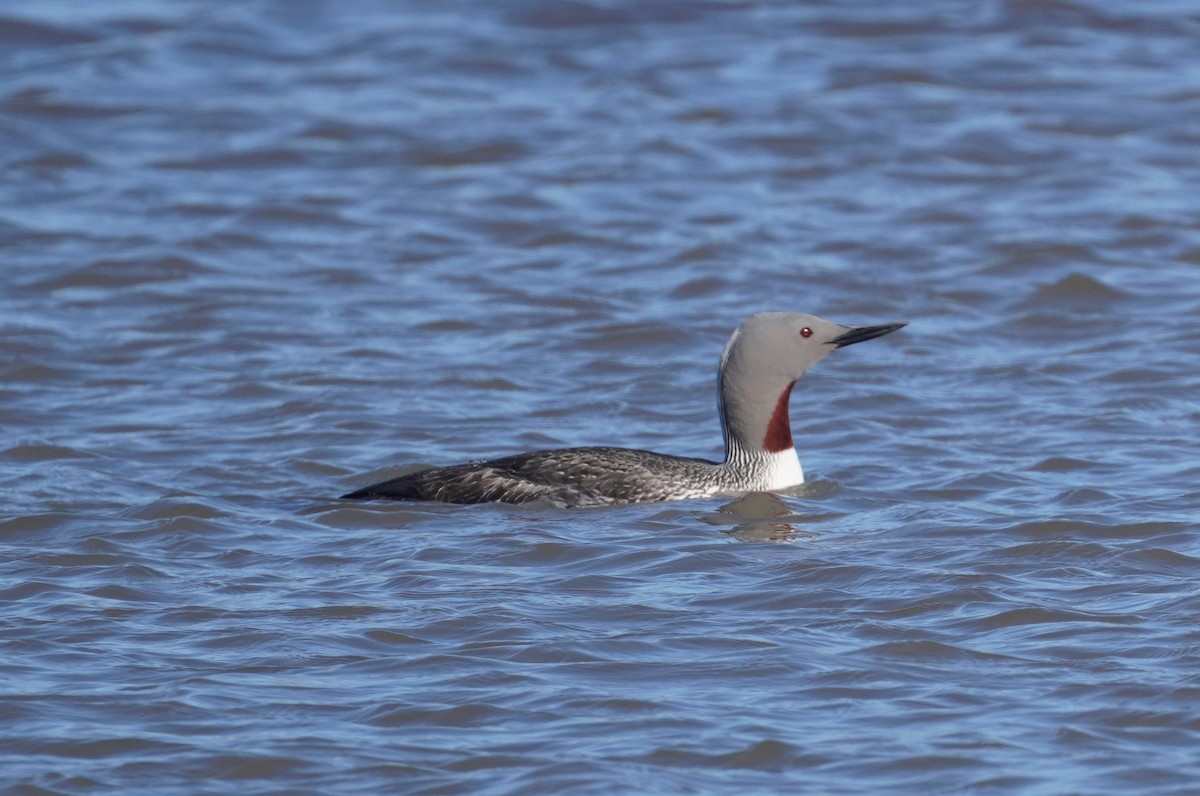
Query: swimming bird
point(759, 366)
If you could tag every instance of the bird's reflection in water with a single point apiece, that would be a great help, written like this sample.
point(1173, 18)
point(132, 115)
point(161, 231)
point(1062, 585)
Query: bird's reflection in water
point(765, 517)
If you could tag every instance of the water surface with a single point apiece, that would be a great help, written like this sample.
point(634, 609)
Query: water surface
point(256, 255)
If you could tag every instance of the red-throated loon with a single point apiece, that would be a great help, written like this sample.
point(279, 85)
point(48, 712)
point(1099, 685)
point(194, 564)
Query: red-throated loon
point(759, 366)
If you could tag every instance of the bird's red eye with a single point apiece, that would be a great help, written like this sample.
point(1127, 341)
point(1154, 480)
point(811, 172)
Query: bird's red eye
point(806, 332)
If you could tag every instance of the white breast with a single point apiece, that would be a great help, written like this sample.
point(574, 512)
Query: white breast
point(782, 469)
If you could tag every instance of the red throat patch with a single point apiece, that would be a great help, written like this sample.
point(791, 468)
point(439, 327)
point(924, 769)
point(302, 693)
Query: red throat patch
point(779, 430)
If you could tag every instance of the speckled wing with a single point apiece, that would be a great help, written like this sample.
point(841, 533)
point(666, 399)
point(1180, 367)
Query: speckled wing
point(482, 482)
point(565, 477)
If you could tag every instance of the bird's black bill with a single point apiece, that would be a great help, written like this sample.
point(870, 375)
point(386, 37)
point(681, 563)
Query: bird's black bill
point(859, 333)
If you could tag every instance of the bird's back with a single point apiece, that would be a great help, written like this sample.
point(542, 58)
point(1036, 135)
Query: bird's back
point(564, 477)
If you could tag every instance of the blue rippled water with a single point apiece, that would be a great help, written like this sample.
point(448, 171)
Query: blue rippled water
point(258, 254)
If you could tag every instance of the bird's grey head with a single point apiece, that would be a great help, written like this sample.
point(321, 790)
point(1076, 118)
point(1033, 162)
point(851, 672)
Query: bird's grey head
point(785, 344)
point(762, 360)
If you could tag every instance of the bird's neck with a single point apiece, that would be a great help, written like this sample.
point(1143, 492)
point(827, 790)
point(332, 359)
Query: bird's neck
point(778, 436)
point(755, 423)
